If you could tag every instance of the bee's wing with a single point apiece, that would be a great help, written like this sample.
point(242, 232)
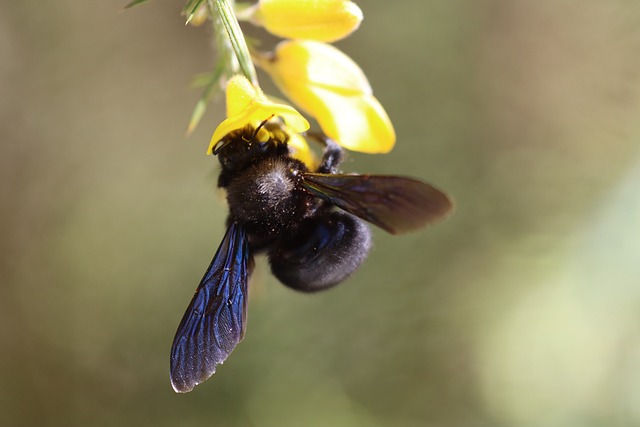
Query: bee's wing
point(214, 322)
point(396, 204)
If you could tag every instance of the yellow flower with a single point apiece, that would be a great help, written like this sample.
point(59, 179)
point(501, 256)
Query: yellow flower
point(246, 104)
point(322, 20)
point(328, 85)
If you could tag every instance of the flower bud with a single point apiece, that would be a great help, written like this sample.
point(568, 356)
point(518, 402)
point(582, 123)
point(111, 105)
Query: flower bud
point(322, 20)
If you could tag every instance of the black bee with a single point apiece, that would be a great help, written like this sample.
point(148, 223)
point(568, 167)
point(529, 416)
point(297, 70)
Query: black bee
point(309, 223)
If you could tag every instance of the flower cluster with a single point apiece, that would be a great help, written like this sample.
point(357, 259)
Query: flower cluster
point(315, 76)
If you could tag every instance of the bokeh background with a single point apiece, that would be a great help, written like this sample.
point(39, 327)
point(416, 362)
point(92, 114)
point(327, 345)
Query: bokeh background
point(523, 309)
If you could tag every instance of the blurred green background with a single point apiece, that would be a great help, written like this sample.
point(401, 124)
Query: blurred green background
point(523, 309)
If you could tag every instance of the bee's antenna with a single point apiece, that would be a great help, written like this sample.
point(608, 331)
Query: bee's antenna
point(264, 122)
point(220, 145)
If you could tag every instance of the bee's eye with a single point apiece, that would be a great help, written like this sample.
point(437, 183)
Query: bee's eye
point(227, 161)
point(262, 147)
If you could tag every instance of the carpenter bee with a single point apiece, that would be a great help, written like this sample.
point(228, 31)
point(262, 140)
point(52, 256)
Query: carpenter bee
point(309, 223)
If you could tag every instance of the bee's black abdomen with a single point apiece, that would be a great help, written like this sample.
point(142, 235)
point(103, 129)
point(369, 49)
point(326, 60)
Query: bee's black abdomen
point(325, 251)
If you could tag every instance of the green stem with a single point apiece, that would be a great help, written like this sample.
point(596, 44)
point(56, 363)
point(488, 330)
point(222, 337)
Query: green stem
point(234, 35)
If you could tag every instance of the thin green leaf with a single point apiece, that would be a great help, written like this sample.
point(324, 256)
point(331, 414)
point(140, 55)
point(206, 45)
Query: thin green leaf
point(212, 88)
point(135, 3)
point(196, 116)
point(200, 80)
point(188, 7)
point(194, 9)
point(236, 38)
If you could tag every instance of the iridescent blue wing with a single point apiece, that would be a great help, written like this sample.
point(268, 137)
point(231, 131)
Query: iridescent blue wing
point(393, 203)
point(214, 322)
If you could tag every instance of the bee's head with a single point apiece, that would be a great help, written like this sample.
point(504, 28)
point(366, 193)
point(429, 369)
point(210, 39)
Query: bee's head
point(243, 147)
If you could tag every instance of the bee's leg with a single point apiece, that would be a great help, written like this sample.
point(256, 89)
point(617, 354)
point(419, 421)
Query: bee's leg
point(333, 153)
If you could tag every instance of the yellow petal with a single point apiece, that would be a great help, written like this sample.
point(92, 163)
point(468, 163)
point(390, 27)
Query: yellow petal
point(327, 84)
point(294, 120)
point(318, 64)
point(241, 94)
point(323, 20)
point(358, 123)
